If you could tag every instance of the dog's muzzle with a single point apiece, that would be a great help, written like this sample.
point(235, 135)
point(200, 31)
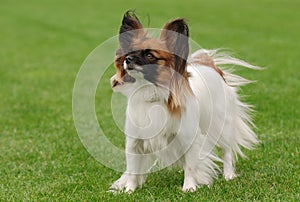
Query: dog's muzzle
point(129, 63)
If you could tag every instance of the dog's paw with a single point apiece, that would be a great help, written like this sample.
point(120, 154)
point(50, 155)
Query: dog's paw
point(230, 176)
point(189, 189)
point(127, 183)
point(189, 185)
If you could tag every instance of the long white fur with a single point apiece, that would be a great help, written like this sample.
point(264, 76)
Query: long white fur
point(214, 115)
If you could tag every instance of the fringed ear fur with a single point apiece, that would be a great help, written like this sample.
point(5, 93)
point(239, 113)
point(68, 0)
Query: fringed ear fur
point(175, 34)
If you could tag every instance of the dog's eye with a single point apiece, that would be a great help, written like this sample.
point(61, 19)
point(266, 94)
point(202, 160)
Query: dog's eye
point(150, 56)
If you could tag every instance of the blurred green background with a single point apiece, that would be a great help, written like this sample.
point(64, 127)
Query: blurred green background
point(44, 43)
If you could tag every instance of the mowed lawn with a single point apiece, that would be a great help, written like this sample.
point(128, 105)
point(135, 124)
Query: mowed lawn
point(44, 43)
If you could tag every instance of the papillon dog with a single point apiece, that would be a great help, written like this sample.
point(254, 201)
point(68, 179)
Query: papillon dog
point(179, 106)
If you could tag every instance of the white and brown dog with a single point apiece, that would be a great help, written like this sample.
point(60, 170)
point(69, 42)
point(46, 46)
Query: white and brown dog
point(179, 107)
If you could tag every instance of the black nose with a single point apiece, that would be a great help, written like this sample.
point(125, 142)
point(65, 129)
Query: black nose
point(128, 59)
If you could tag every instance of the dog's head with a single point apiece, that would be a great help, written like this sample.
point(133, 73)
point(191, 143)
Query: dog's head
point(160, 61)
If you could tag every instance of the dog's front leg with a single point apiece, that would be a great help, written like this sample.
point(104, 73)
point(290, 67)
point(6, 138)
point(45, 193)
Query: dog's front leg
point(127, 182)
point(137, 166)
point(199, 166)
point(198, 161)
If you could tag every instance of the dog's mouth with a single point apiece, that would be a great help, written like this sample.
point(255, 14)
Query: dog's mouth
point(129, 67)
point(115, 83)
point(125, 80)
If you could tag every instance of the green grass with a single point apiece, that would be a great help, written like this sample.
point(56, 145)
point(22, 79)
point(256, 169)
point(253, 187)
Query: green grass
point(43, 44)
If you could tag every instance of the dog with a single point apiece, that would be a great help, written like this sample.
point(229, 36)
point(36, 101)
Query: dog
point(179, 107)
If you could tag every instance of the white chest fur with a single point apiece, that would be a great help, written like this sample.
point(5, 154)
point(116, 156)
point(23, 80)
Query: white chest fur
point(147, 118)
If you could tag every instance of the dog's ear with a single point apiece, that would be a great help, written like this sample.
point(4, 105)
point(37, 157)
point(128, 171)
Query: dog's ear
point(131, 28)
point(175, 34)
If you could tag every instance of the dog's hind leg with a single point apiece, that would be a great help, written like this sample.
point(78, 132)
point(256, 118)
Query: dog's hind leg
point(228, 163)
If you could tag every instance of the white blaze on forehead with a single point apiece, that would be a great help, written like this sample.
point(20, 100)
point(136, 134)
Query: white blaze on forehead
point(125, 64)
